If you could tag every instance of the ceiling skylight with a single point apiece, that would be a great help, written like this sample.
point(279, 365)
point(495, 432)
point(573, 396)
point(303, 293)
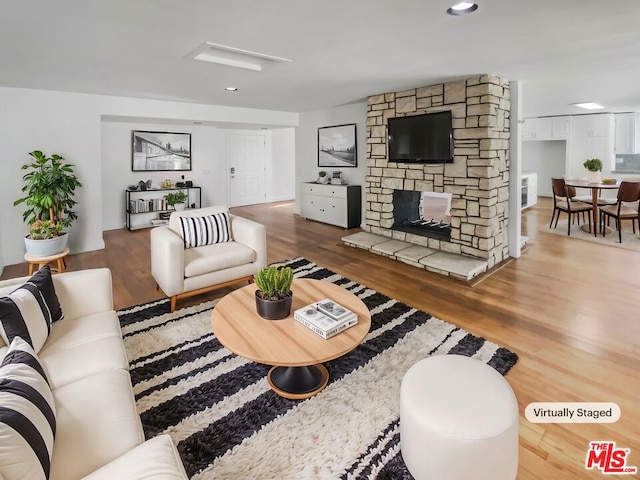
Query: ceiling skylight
point(462, 8)
point(233, 57)
point(588, 105)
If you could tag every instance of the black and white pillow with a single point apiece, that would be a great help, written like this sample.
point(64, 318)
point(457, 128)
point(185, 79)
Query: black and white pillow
point(199, 231)
point(27, 415)
point(30, 309)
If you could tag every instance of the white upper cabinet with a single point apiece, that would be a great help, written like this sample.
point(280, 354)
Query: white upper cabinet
point(536, 129)
point(546, 128)
point(583, 126)
point(560, 128)
point(627, 133)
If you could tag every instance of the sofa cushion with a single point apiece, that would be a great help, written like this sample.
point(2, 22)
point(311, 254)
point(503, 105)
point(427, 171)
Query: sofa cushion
point(207, 230)
point(84, 346)
point(97, 422)
point(212, 258)
point(30, 309)
point(156, 458)
point(27, 415)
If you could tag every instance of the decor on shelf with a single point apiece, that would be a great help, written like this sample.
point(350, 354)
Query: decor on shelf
point(160, 151)
point(322, 177)
point(49, 190)
point(176, 200)
point(594, 167)
point(337, 146)
point(274, 296)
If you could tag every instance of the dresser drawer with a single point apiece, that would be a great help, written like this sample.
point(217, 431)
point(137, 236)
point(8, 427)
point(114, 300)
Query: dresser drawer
point(311, 189)
point(336, 191)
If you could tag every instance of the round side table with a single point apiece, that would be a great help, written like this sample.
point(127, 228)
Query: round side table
point(58, 258)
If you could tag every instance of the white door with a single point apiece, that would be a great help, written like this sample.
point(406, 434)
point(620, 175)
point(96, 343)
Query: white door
point(246, 168)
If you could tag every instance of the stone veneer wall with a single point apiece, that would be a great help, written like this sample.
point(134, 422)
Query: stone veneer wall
point(477, 179)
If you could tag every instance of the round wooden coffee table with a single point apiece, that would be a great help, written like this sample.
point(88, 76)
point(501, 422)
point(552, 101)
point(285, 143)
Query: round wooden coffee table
point(295, 352)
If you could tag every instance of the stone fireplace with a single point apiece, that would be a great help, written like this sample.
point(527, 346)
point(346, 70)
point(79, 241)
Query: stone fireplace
point(477, 180)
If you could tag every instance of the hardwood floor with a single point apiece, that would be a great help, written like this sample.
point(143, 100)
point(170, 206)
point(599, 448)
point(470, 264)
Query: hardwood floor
point(569, 308)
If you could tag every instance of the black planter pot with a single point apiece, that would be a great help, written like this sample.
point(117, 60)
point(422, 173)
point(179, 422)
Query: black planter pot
point(274, 309)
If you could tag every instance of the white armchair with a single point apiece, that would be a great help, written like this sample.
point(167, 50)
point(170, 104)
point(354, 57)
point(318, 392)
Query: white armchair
point(183, 272)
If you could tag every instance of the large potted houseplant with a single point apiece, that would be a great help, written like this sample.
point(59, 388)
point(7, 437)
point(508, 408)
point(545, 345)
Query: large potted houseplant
point(594, 169)
point(49, 189)
point(274, 296)
point(176, 200)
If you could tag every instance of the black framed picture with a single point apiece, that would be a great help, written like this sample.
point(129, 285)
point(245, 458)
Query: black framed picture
point(160, 151)
point(337, 146)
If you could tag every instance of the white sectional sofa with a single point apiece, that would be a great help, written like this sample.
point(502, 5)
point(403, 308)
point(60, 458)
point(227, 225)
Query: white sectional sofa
point(98, 434)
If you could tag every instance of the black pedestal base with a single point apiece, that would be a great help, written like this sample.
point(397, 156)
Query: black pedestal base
point(297, 383)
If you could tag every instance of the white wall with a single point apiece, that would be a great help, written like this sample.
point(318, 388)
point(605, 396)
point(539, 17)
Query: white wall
point(71, 124)
point(547, 159)
point(63, 123)
point(208, 162)
point(307, 144)
point(281, 173)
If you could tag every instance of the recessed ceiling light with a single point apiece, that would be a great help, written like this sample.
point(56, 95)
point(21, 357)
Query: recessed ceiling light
point(233, 57)
point(231, 89)
point(462, 8)
point(588, 105)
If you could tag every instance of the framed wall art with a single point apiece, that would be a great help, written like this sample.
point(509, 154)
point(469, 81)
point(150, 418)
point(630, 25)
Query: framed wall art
point(160, 151)
point(337, 146)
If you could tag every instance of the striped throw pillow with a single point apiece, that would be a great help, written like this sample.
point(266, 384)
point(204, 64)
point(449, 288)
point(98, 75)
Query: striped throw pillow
point(27, 415)
point(29, 310)
point(199, 231)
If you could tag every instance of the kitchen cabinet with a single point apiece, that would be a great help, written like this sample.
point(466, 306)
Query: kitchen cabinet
point(529, 189)
point(627, 133)
point(339, 205)
point(536, 129)
point(546, 128)
point(587, 126)
point(591, 137)
point(560, 128)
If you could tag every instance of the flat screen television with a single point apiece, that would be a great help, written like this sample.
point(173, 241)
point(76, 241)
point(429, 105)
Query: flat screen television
point(424, 138)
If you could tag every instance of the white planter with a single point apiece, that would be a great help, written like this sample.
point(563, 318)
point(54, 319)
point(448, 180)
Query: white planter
point(46, 248)
point(180, 207)
point(594, 177)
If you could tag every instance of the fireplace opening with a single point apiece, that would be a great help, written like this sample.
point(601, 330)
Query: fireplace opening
point(422, 213)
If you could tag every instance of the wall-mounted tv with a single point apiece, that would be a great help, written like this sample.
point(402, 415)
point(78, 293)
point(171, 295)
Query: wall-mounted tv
point(424, 138)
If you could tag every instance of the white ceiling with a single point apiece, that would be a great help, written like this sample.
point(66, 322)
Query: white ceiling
point(563, 51)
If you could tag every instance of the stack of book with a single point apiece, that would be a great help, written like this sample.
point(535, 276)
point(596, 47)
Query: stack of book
point(326, 317)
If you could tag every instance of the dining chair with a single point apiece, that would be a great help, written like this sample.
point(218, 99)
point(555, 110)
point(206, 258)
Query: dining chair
point(562, 202)
point(628, 193)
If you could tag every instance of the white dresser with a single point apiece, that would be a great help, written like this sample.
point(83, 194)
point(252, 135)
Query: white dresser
point(339, 205)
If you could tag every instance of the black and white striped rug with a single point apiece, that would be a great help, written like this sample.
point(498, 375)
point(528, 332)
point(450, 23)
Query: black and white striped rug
point(229, 425)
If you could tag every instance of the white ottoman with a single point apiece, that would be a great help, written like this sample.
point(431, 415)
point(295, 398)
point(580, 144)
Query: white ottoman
point(458, 420)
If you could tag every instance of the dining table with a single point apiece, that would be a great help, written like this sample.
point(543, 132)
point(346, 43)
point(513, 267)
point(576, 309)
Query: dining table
point(595, 193)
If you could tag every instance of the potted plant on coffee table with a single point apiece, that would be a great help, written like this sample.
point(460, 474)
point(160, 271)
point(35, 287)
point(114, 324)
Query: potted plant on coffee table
point(176, 200)
point(274, 296)
point(594, 167)
point(49, 188)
